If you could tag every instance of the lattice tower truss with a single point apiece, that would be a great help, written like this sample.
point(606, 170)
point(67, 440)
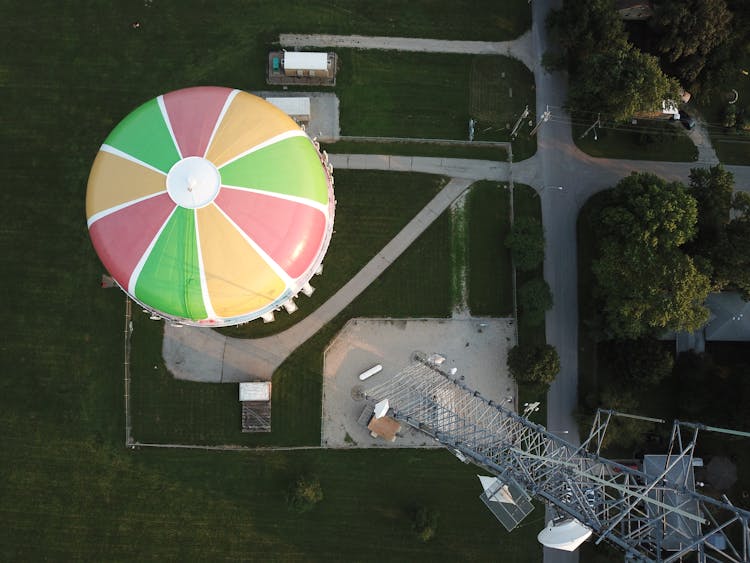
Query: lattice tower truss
point(651, 517)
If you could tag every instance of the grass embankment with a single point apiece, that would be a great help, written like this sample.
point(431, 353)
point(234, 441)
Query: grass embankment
point(432, 96)
point(649, 139)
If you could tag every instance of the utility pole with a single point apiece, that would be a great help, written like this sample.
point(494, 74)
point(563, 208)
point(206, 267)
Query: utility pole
point(545, 118)
point(593, 126)
point(524, 115)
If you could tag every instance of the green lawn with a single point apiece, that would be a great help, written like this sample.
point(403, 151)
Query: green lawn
point(372, 207)
point(177, 505)
point(732, 147)
point(490, 275)
point(647, 140)
point(408, 148)
point(426, 95)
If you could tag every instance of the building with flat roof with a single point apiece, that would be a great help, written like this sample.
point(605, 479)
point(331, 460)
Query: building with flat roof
point(255, 398)
point(296, 108)
point(302, 68)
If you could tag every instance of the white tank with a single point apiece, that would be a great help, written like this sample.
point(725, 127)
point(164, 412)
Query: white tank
point(566, 535)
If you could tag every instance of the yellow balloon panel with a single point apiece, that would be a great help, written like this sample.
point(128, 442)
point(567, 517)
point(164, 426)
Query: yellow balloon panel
point(238, 279)
point(115, 180)
point(248, 121)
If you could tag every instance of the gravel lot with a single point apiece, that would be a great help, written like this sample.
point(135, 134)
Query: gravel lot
point(476, 347)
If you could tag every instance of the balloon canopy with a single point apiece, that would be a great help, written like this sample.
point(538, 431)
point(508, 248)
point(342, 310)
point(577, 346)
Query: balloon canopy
point(210, 206)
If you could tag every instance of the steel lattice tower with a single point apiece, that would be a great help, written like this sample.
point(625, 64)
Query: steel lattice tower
point(651, 516)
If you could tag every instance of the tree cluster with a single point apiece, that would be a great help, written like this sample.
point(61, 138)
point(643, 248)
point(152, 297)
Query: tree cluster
point(723, 228)
point(608, 73)
point(688, 32)
point(644, 281)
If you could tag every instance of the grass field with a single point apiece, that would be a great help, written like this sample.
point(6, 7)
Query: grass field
point(647, 140)
point(70, 491)
point(206, 506)
point(407, 148)
point(425, 95)
point(490, 275)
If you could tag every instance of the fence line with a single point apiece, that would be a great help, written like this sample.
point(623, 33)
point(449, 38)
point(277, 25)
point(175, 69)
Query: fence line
point(128, 330)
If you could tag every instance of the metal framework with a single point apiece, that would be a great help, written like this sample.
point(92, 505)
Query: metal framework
point(654, 516)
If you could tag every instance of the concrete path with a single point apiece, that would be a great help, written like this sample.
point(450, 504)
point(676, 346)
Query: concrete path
point(223, 359)
point(521, 48)
point(706, 153)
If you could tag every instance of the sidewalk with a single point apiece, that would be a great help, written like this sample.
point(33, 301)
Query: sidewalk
point(521, 48)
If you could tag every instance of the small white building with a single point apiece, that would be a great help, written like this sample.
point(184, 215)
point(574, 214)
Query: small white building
point(296, 108)
point(298, 63)
point(255, 398)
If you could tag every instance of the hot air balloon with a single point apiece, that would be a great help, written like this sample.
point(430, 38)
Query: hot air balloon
point(210, 207)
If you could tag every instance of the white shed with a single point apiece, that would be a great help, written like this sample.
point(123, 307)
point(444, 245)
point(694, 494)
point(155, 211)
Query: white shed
point(255, 391)
point(298, 63)
point(296, 108)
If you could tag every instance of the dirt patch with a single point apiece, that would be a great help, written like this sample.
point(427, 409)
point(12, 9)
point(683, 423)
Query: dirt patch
point(476, 347)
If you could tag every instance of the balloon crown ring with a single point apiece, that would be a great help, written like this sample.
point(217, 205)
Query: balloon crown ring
point(193, 182)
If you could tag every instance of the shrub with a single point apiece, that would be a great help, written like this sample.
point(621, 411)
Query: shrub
point(305, 494)
point(425, 523)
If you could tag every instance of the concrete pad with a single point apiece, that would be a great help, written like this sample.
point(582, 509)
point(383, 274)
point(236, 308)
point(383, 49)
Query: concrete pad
point(193, 353)
point(476, 347)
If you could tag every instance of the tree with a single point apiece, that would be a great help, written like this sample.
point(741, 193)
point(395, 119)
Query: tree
point(712, 189)
point(582, 28)
point(643, 362)
point(425, 523)
point(645, 210)
point(644, 281)
point(689, 31)
point(731, 260)
point(305, 494)
point(534, 299)
point(533, 364)
point(646, 293)
point(526, 243)
point(621, 82)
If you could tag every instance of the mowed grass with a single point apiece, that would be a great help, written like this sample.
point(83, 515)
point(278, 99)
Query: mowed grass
point(372, 207)
point(188, 505)
point(649, 139)
point(410, 148)
point(427, 95)
point(490, 275)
